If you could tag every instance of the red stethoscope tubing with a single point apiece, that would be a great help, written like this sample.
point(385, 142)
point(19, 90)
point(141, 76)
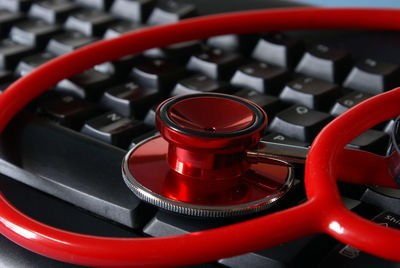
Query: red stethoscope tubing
point(323, 212)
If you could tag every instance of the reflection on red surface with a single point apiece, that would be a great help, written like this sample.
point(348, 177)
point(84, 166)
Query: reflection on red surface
point(148, 165)
point(211, 114)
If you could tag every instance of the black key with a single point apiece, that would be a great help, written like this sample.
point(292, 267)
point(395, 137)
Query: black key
point(383, 198)
point(300, 122)
point(373, 77)
point(121, 27)
point(158, 73)
point(270, 104)
point(78, 178)
point(260, 76)
point(347, 256)
point(52, 11)
point(11, 53)
point(388, 126)
point(15, 5)
point(68, 110)
point(67, 42)
point(310, 92)
point(114, 128)
point(282, 139)
point(284, 255)
point(278, 49)
point(234, 43)
point(6, 76)
point(33, 33)
point(348, 101)
point(87, 85)
point(171, 11)
point(119, 68)
point(89, 22)
point(130, 99)
point(7, 19)
point(179, 51)
point(373, 141)
point(326, 63)
point(167, 224)
point(96, 4)
point(214, 63)
point(133, 10)
point(150, 118)
point(199, 83)
point(28, 64)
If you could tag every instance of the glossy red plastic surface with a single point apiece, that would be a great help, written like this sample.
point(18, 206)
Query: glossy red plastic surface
point(323, 212)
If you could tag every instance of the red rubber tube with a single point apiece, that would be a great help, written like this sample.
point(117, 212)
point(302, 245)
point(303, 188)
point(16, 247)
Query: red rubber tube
point(319, 214)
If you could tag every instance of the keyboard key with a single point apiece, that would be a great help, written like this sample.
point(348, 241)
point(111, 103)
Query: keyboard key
point(68, 110)
point(150, 118)
point(372, 141)
point(130, 99)
point(270, 104)
point(171, 11)
point(214, 63)
point(121, 27)
point(87, 85)
point(96, 4)
point(199, 83)
point(133, 10)
point(373, 77)
point(260, 76)
point(28, 64)
point(7, 19)
point(348, 101)
point(67, 42)
point(33, 33)
point(79, 178)
point(347, 256)
point(282, 139)
point(89, 22)
point(384, 198)
point(234, 43)
point(52, 11)
point(15, 5)
point(158, 73)
point(179, 51)
point(326, 63)
point(119, 68)
point(310, 92)
point(114, 128)
point(278, 49)
point(11, 53)
point(300, 122)
point(284, 255)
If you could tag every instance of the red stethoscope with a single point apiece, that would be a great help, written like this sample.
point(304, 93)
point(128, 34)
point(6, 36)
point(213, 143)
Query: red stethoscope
point(323, 212)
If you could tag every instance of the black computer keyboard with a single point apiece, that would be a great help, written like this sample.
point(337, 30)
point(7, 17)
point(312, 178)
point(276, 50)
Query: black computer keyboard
point(61, 156)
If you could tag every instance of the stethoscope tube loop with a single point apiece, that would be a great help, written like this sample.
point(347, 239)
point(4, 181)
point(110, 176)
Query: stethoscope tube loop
point(319, 214)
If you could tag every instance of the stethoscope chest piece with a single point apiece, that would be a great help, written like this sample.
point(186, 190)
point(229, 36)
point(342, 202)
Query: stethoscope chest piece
point(198, 164)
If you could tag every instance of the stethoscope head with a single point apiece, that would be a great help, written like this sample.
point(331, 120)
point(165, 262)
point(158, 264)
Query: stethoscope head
point(199, 164)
